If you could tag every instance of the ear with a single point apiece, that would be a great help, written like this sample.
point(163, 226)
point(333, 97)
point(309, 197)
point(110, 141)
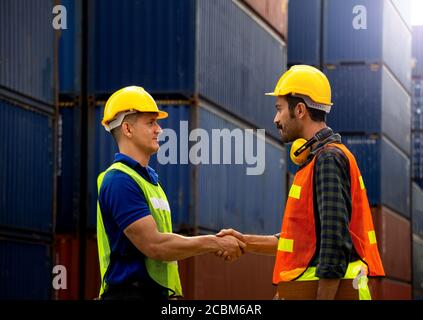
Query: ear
point(300, 110)
point(126, 129)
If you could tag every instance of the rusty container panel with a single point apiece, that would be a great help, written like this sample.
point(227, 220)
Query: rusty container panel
point(393, 234)
point(92, 268)
point(386, 289)
point(273, 12)
point(207, 277)
point(66, 253)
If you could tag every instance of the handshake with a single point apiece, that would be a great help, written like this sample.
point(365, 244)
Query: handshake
point(231, 243)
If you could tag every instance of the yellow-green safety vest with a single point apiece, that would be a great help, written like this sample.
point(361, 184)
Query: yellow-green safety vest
point(165, 273)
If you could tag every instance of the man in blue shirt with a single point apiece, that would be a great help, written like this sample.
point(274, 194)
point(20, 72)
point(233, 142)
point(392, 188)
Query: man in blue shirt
point(137, 249)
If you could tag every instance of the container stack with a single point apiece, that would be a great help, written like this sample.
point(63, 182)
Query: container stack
point(417, 162)
point(28, 68)
point(208, 64)
point(356, 47)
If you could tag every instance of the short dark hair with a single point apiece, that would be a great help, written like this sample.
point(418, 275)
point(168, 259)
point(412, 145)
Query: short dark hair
point(116, 132)
point(315, 114)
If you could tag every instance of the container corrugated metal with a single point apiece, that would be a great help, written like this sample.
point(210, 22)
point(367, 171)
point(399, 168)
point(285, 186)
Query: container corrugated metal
point(70, 49)
point(228, 197)
point(68, 182)
point(387, 289)
point(173, 177)
point(417, 209)
point(148, 42)
point(417, 104)
point(209, 278)
point(66, 253)
point(92, 268)
point(417, 155)
point(274, 12)
point(376, 42)
point(393, 233)
point(304, 27)
point(238, 62)
point(26, 168)
point(26, 270)
point(27, 48)
point(404, 9)
point(368, 99)
point(418, 267)
point(418, 51)
point(385, 170)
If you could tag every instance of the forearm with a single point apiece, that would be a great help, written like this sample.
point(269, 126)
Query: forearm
point(266, 245)
point(170, 246)
point(327, 289)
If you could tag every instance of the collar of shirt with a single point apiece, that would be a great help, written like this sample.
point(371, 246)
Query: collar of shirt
point(147, 173)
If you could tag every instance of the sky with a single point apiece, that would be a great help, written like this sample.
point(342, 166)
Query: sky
point(417, 12)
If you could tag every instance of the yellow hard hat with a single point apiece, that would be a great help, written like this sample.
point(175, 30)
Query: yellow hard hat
point(304, 80)
point(126, 101)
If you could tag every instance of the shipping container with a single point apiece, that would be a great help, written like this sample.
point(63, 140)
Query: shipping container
point(404, 8)
point(385, 170)
point(69, 166)
point(418, 51)
point(367, 99)
point(417, 104)
point(234, 61)
point(26, 269)
point(92, 268)
point(369, 32)
point(417, 267)
point(26, 167)
point(207, 277)
point(196, 193)
point(27, 48)
point(228, 196)
point(417, 155)
point(417, 209)
point(69, 49)
point(304, 32)
point(393, 234)
point(66, 254)
point(387, 289)
point(274, 12)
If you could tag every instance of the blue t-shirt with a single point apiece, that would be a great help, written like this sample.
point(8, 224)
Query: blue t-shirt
point(122, 202)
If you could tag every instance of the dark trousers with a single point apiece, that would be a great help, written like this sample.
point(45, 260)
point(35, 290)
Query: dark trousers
point(135, 291)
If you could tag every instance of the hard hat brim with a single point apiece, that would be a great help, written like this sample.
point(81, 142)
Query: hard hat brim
point(162, 114)
point(271, 94)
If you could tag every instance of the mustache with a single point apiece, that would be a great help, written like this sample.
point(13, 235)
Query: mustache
point(279, 126)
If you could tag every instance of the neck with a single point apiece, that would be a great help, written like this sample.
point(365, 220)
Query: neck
point(311, 129)
point(139, 156)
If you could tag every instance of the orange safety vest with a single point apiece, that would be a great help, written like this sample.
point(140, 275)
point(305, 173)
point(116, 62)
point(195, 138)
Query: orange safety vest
point(297, 242)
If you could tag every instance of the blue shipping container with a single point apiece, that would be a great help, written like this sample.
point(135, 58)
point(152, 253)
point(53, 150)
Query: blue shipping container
point(228, 196)
point(368, 99)
point(26, 168)
point(418, 51)
point(68, 176)
point(385, 170)
point(417, 104)
point(234, 62)
point(174, 178)
point(417, 155)
point(304, 28)
point(70, 49)
point(26, 270)
point(417, 209)
point(369, 32)
point(27, 48)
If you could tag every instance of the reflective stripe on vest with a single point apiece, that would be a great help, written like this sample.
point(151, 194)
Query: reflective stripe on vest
point(164, 273)
point(297, 242)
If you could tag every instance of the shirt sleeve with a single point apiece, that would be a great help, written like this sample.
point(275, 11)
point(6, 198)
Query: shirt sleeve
point(122, 199)
point(333, 200)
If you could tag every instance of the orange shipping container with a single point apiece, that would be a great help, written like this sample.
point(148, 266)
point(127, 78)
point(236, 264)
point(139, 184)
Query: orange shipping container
point(207, 277)
point(274, 12)
point(386, 289)
point(393, 233)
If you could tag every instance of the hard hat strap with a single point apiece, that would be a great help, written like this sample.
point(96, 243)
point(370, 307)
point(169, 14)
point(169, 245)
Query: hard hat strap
point(311, 104)
point(117, 121)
